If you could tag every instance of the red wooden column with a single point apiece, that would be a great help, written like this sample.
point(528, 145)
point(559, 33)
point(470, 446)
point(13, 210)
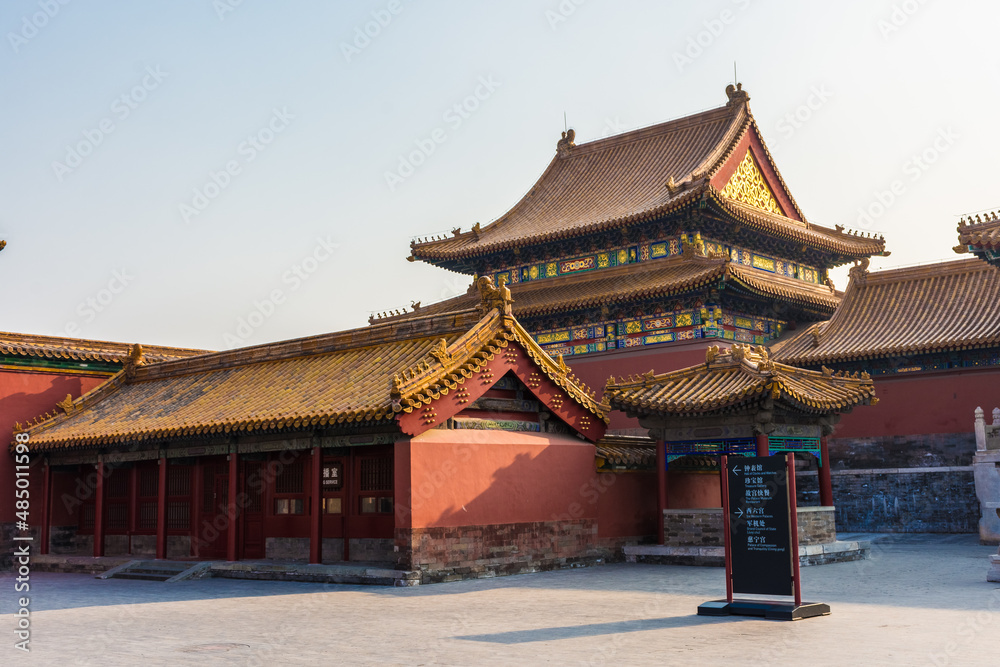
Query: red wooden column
point(347, 507)
point(825, 483)
point(316, 520)
point(231, 512)
point(99, 512)
point(161, 510)
point(763, 445)
point(133, 504)
point(661, 489)
point(46, 506)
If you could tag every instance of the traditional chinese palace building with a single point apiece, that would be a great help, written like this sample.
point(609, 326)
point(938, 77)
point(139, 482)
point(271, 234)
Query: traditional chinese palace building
point(640, 250)
point(39, 372)
point(449, 445)
point(454, 440)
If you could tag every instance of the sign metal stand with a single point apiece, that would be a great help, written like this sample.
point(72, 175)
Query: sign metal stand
point(760, 530)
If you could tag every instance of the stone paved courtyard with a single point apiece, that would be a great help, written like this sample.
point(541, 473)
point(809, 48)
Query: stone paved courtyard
point(920, 600)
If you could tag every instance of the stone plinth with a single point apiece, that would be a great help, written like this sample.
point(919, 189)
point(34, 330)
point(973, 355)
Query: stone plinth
point(994, 573)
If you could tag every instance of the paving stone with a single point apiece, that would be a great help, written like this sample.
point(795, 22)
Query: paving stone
point(919, 600)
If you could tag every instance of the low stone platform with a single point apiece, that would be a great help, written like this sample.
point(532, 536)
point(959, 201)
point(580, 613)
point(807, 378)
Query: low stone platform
point(715, 556)
point(339, 573)
point(77, 564)
point(374, 574)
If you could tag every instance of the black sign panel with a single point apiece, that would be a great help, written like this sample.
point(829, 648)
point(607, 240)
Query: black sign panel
point(333, 476)
point(759, 525)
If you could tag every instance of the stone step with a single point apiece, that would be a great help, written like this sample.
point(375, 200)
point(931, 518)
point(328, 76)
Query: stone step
point(143, 576)
point(165, 565)
point(151, 571)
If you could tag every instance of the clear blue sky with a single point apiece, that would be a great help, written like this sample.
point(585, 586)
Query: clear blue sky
point(116, 115)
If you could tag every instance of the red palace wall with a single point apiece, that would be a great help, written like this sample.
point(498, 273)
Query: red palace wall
point(468, 477)
point(24, 396)
point(940, 402)
point(626, 504)
point(482, 503)
point(688, 490)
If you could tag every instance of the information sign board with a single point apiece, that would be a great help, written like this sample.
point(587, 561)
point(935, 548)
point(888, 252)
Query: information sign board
point(760, 525)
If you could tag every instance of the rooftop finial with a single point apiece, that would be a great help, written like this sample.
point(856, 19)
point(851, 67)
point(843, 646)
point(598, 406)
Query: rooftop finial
point(736, 94)
point(567, 142)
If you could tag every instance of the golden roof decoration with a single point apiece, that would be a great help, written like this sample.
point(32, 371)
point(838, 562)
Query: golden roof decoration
point(736, 379)
point(494, 296)
point(67, 404)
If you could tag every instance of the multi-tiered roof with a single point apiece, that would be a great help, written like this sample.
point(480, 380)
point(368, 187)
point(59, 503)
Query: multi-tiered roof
point(715, 162)
point(681, 230)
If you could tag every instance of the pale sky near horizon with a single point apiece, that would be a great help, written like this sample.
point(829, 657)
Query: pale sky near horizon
point(171, 168)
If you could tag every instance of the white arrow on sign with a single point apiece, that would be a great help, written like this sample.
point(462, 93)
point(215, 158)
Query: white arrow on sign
point(739, 512)
point(736, 470)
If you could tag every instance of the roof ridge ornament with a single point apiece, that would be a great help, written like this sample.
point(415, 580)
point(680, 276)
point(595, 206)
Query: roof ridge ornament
point(440, 352)
point(133, 361)
point(859, 272)
point(567, 142)
point(67, 404)
point(494, 296)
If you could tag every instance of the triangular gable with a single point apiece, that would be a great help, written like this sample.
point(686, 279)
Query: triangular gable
point(748, 185)
point(749, 176)
point(519, 355)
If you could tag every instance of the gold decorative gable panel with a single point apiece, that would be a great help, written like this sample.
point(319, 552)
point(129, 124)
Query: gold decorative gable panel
point(748, 186)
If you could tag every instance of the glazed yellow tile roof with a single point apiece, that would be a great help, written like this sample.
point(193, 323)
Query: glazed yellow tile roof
point(628, 451)
point(360, 376)
point(77, 349)
point(735, 379)
point(900, 312)
point(623, 179)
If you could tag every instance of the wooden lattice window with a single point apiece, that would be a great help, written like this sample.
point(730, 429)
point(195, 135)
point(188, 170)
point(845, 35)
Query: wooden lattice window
point(376, 484)
point(289, 487)
point(149, 482)
point(178, 498)
point(116, 506)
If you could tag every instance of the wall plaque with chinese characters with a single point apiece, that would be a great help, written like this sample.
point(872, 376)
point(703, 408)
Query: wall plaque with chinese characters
point(760, 525)
point(333, 476)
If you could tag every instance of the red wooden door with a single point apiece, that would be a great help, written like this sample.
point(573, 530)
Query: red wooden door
point(213, 525)
point(252, 512)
